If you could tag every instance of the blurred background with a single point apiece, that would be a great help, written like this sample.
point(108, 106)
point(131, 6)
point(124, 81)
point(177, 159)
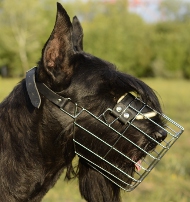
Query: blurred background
point(149, 39)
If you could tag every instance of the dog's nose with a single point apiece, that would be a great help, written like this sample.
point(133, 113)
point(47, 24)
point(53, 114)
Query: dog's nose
point(161, 135)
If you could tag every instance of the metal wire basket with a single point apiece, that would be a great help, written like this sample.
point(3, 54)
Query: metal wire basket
point(100, 161)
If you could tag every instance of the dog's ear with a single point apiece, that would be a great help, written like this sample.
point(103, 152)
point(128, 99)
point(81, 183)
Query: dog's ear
point(77, 34)
point(58, 50)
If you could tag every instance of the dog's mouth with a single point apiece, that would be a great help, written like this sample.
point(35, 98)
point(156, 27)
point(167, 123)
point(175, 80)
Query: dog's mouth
point(138, 165)
point(138, 161)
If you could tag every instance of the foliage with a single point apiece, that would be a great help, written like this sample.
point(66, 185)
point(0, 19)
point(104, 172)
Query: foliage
point(111, 32)
point(22, 34)
point(176, 10)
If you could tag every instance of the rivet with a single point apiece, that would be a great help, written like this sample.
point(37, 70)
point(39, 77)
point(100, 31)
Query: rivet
point(118, 109)
point(59, 99)
point(126, 115)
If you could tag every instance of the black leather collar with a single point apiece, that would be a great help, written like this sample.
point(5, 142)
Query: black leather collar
point(33, 89)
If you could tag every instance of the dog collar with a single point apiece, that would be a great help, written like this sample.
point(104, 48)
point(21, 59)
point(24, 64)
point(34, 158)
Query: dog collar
point(33, 89)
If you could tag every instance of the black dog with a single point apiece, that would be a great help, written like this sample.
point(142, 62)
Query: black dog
point(38, 140)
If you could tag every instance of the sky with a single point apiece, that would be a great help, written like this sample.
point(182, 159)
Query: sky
point(148, 9)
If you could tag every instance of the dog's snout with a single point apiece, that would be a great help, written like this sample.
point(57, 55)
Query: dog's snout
point(161, 135)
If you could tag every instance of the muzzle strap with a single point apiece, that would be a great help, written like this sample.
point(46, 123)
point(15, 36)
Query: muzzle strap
point(128, 108)
point(121, 110)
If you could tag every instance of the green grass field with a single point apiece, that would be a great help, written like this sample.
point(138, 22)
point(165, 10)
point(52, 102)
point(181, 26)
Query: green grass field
point(170, 180)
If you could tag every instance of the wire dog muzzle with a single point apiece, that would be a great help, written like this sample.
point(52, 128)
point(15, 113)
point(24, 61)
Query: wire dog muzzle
point(98, 150)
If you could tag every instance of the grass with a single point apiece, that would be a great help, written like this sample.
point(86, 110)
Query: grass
point(169, 181)
point(6, 86)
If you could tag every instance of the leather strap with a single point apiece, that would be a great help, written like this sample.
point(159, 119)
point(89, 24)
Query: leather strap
point(32, 88)
point(129, 107)
point(122, 111)
point(52, 96)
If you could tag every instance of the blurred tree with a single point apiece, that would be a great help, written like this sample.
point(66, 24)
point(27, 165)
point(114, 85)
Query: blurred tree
point(21, 32)
point(110, 32)
point(167, 44)
point(118, 36)
point(171, 40)
point(175, 10)
point(186, 65)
